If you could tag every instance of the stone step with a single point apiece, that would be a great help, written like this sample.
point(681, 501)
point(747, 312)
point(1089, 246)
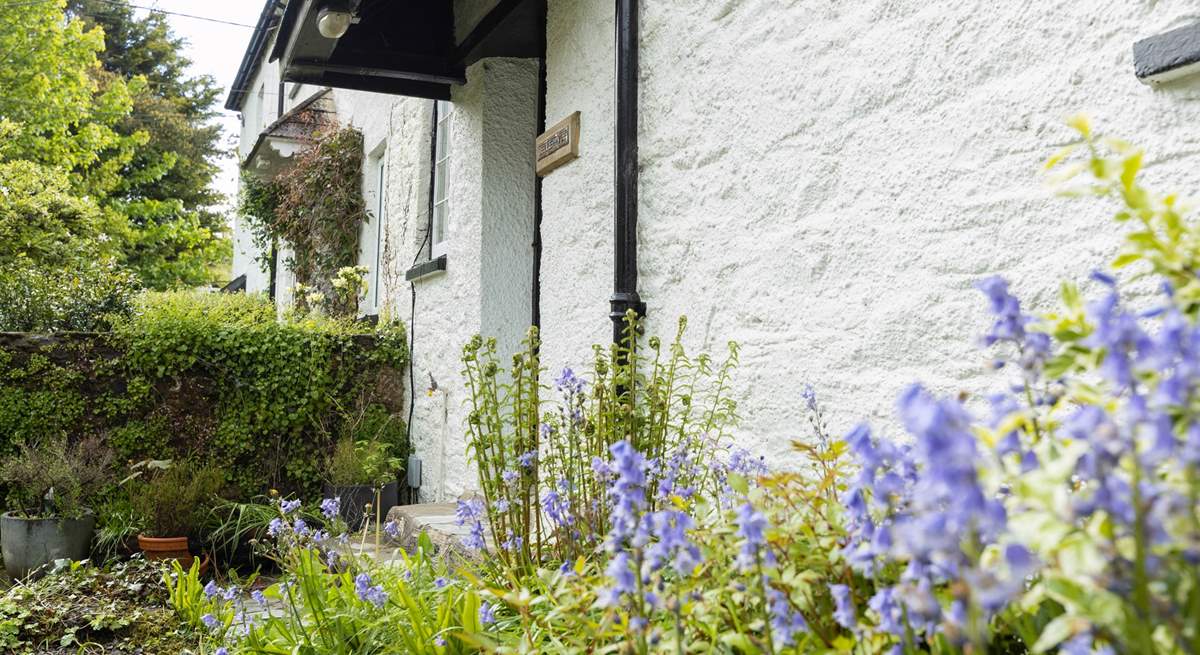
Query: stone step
point(436, 520)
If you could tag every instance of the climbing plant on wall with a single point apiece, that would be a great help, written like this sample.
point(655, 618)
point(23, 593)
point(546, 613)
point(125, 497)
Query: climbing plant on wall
point(316, 207)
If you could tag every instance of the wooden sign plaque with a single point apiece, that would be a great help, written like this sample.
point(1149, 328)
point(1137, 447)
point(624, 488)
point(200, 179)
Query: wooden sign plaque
point(558, 145)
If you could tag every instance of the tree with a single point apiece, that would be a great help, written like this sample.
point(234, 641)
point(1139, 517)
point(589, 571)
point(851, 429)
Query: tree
point(166, 190)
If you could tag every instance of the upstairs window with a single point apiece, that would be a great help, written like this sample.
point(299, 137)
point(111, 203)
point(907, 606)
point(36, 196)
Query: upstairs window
point(439, 222)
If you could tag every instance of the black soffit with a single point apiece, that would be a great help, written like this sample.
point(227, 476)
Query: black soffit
point(402, 47)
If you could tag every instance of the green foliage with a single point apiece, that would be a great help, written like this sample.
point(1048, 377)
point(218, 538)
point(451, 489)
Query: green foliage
point(176, 502)
point(166, 189)
point(43, 221)
point(87, 609)
point(659, 402)
point(362, 462)
point(215, 377)
point(316, 207)
point(49, 478)
point(354, 608)
point(83, 298)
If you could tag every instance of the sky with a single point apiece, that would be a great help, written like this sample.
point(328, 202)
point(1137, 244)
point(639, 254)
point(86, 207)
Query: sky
point(215, 49)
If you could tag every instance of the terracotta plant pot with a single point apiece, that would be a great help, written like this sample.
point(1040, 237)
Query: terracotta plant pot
point(171, 548)
point(166, 548)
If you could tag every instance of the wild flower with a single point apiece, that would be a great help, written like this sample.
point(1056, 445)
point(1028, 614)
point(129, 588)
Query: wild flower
point(367, 592)
point(785, 622)
point(331, 507)
point(392, 529)
point(258, 597)
point(567, 382)
point(487, 613)
point(509, 476)
point(471, 513)
point(528, 459)
point(557, 506)
point(210, 621)
point(441, 582)
point(289, 506)
point(275, 527)
point(211, 589)
point(751, 530)
point(843, 612)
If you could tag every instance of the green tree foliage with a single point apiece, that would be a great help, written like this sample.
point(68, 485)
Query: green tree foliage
point(166, 190)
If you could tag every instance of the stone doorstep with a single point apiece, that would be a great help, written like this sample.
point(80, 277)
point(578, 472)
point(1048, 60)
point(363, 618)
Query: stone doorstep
point(436, 520)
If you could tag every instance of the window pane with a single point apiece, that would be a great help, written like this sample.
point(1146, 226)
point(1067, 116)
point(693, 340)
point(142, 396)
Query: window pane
point(439, 223)
point(439, 183)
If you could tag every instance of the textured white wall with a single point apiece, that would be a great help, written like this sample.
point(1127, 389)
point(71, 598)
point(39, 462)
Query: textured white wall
point(486, 287)
point(824, 181)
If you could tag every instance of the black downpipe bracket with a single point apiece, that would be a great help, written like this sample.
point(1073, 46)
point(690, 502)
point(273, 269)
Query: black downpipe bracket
point(625, 269)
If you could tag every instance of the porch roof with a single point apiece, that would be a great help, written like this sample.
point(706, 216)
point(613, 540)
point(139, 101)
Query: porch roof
point(404, 48)
point(273, 150)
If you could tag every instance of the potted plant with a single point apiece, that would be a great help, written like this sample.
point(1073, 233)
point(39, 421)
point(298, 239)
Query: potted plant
point(172, 504)
point(362, 473)
point(49, 484)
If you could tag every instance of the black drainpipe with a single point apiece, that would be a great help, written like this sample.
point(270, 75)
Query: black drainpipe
point(625, 269)
point(536, 304)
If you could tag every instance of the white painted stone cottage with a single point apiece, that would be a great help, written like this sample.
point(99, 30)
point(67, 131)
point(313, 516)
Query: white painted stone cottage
point(821, 181)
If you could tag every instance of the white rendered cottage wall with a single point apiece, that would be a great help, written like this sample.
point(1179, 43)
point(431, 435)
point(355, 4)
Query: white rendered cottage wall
point(824, 181)
point(486, 287)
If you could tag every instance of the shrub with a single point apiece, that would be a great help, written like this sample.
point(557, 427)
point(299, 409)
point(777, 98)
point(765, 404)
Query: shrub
point(49, 478)
point(85, 298)
point(176, 501)
point(217, 377)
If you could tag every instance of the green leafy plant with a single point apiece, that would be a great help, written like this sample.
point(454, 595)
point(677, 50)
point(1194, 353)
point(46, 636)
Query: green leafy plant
point(316, 208)
point(82, 608)
point(659, 401)
point(176, 502)
point(362, 462)
point(49, 478)
point(83, 298)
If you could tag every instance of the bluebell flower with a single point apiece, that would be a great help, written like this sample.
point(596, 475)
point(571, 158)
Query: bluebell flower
point(500, 505)
point(627, 492)
point(509, 476)
point(471, 513)
point(843, 612)
point(809, 396)
point(785, 622)
point(230, 593)
point(440, 582)
point(568, 383)
point(367, 592)
point(624, 580)
point(258, 597)
point(528, 459)
point(289, 506)
point(512, 542)
point(392, 529)
point(557, 507)
point(221, 651)
point(487, 614)
point(211, 589)
point(275, 526)
point(891, 615)
point(300, 527)
point(751, 529)
point(210, 621)
point(331, 507)
point(671, 543)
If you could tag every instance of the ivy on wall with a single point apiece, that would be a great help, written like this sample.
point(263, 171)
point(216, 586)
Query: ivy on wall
point(316, 207)
point(209, 376)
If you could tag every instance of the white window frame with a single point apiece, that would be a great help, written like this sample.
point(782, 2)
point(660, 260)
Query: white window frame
point(439, 222)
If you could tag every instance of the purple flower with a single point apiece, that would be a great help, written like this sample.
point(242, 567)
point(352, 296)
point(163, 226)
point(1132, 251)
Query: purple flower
point(331, 507)
point(557, 507)
point(785, 622)
point(392, 529)
point(487, 613)
point(289, 506)
point(440, 582)
point(471, 512)
point(568, 383)
point(209, 621)
point(751, 526)
point(624, 581)
point(275, 526)
point(367, 592)
point(528, 459)
point(809, 396)
point(300, 527)
point(258, 597)
point(509, 476)
point(221, 651)
point(671, 544)
point(844, 612)
point(211, 589)
point(627, 492)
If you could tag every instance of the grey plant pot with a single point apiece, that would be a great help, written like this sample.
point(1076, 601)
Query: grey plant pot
point(29, 544)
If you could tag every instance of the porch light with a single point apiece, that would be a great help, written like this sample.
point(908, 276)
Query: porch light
point(333, 23)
